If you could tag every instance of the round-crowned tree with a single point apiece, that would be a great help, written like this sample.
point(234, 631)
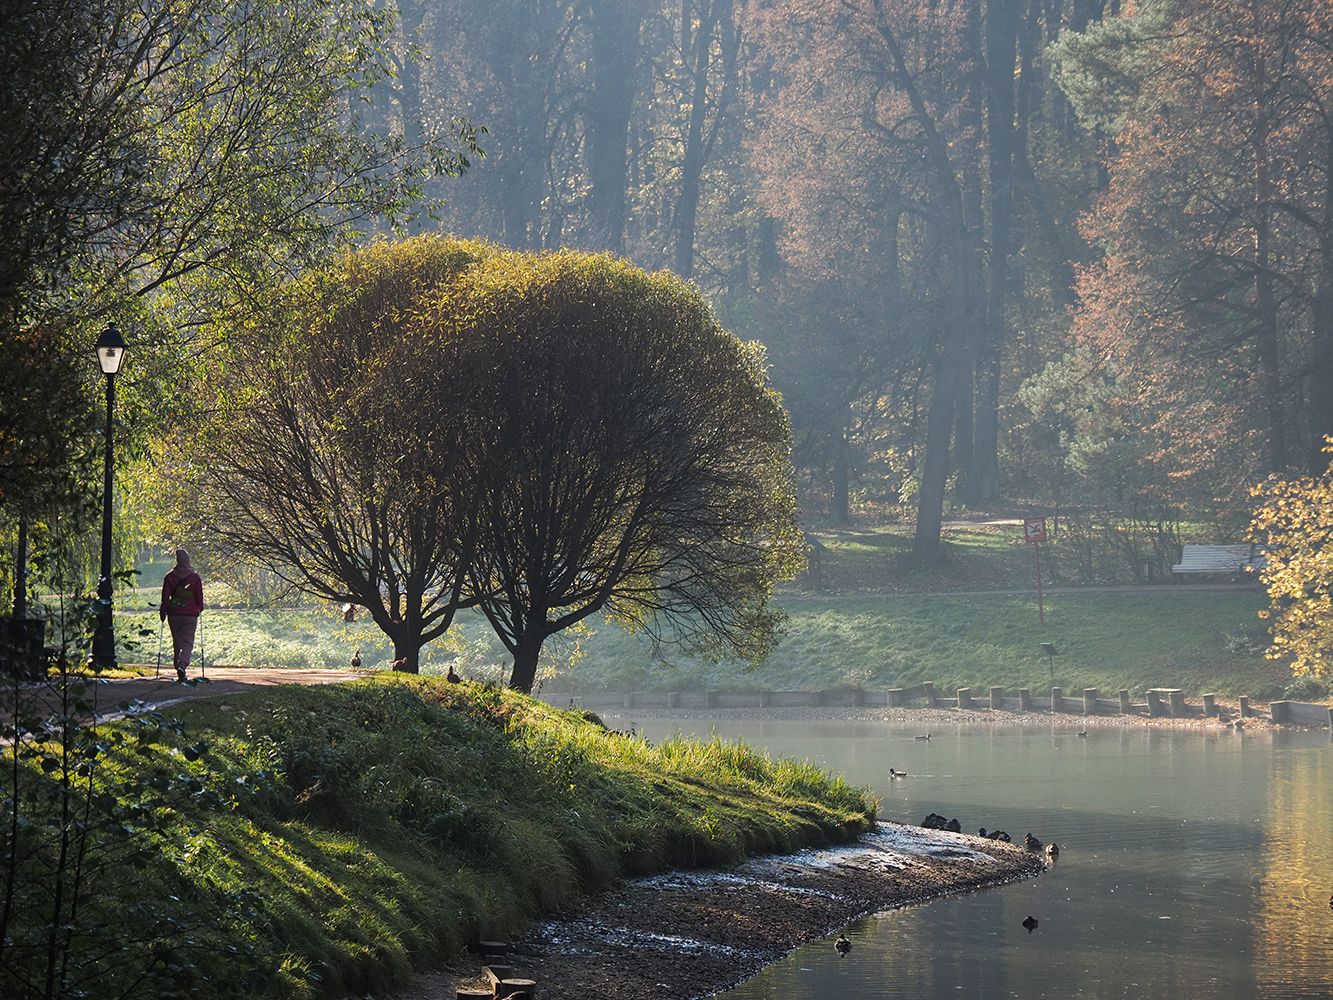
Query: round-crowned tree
point(436, 424)
point(629, 457)
point(328, 458)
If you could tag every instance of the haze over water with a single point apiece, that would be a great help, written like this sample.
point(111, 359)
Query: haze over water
point(1192, 866)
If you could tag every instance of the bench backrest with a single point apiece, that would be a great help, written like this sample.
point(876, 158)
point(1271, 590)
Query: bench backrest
point(1218, 558)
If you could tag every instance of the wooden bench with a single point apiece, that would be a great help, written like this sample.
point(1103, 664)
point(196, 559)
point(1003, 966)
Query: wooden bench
point(1219, 559)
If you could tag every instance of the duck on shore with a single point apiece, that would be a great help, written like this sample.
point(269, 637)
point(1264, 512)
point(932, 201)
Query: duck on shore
point(1053, 850)
point(842, 945)
point(1031, 842)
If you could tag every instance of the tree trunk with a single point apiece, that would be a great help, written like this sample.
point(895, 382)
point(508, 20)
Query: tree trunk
point(526, 655)
point(1268, 348)
point(407, 654)
point(840, 503)
point(692, 164)
point(1321, 374)
point(964, 412)
point(935, 465)
point(1002, 19)
point(615, 51)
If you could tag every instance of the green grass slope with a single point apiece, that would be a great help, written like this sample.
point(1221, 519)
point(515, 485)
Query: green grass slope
point(332, 839)
point(1200, 641)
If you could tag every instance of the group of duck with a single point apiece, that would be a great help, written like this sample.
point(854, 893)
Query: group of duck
point(937, 822)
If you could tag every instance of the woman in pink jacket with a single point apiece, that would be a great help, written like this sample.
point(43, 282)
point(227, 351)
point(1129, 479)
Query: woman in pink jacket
point(182, 600)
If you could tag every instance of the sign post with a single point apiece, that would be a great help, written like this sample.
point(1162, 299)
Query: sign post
point(1034, 533)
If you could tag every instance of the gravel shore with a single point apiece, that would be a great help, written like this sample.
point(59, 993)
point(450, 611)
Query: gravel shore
point(927, 718)
point(690, 934)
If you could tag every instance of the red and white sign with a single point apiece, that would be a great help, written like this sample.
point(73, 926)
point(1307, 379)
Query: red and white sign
point(1034, 530)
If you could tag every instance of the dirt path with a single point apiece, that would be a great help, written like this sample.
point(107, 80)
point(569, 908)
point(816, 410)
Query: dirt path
point(1124, 588)
point(114, 697)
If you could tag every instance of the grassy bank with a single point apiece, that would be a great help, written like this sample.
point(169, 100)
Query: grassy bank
point(1173, 636)
point(1200, 641)
point(330, 840)
point(872, 622)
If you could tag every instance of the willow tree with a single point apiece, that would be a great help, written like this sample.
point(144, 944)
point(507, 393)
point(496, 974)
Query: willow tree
point(330, 458)
point(630, 456)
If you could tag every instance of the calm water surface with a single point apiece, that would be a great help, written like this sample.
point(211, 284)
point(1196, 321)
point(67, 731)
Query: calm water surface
point(1191, 866)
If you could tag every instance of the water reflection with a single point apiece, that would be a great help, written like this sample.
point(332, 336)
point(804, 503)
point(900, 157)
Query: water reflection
point(1191, 865)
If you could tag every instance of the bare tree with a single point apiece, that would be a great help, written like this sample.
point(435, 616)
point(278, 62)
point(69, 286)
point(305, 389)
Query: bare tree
point(331, 461)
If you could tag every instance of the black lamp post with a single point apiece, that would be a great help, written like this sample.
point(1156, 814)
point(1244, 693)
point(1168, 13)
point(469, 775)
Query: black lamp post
point(110, 354)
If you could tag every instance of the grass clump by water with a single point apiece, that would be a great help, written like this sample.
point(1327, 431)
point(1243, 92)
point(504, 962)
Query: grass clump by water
point(338, 837)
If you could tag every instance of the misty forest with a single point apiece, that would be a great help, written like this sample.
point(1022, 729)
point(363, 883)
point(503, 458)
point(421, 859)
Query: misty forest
point(434, 434)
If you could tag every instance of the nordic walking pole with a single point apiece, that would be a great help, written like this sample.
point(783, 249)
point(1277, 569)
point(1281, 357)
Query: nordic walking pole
point(203, 670)
point(158, 671)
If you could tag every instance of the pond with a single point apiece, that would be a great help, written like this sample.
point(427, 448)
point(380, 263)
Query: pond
point(1191, 865)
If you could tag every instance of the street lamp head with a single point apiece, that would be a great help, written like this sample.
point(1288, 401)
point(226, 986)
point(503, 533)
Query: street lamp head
point(110, 349)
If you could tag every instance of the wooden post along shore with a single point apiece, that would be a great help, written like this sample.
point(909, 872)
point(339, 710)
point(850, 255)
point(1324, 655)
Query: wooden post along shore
point(1089, 701)
point(996, 698)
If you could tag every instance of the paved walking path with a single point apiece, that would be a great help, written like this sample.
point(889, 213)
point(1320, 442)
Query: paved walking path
point(119, 696)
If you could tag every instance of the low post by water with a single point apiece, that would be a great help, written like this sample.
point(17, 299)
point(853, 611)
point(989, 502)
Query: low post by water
point(1057, 699)
point(1024, 700)
point(1155, 704)
point(1089, 701)
point(996, 698)
point(1125, 706)
point(1244, 706)
point(897, 698)
point(1209, 705)
point(928, 688)
point(964, 697)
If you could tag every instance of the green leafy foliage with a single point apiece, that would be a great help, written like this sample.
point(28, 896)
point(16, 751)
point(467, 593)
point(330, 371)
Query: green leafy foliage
point(1295, 521)
point(342, 836)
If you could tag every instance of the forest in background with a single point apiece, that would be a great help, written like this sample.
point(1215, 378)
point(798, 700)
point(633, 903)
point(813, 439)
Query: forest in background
point(1060, 255)
point(1061, 251)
